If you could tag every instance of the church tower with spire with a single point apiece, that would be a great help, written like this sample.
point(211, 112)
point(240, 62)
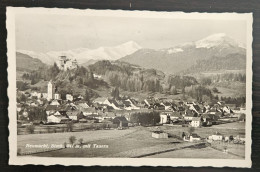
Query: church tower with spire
point(51, 90)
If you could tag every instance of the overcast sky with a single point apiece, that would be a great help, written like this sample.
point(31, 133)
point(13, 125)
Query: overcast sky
point(44, 33)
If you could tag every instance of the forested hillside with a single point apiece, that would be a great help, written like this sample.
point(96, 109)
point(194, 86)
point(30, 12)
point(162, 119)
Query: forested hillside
point(27, 63)
point(133, 78)
point(229, 62)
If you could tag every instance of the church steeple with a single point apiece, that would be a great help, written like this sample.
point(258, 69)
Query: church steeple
point(51, 90)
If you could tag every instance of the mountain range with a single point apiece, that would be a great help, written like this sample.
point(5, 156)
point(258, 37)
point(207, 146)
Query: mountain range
point(215, 52)
point(182, 57)
point(85, 55)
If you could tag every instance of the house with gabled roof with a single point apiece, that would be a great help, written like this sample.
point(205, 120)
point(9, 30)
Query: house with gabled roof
point(58, 117)
point(175, 116)
point(51, 109)
point(75, 115)
point(82, 105)
point(112, 103)
point(55, 102)
point(89, 111)
point(189, 115)
point(227, 109)
point(100, 100)
point(167, 105)
point(129, 104)
point(149, 102)
point(195, 108)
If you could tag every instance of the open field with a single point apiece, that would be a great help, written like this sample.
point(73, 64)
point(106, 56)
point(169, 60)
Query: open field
point(135, 142)
point(138, 140)
point(61, 138)
point(195, 153)
point(233, 125)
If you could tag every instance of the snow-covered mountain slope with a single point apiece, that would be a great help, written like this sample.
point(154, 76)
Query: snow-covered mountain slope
point(182, 57)
point(219, 39)
point(83, 55)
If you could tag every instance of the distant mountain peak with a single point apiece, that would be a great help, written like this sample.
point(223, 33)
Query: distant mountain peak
point(216, 40)
point(183, 56)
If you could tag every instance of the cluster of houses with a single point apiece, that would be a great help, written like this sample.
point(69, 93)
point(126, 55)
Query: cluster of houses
point(193, 137)
point(74, 108)
point(198, 114)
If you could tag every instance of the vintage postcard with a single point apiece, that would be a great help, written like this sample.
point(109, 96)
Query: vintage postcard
point(129, 88)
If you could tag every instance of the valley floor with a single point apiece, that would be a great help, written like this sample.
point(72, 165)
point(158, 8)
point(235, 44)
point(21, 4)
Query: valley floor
point(137, 142)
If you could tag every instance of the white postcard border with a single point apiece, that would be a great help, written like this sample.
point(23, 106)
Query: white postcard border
point(17, 160)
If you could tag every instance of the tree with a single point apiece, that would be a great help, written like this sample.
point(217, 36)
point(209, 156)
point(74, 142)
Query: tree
point(173, 90)
point(69, 126)
point(215, 90)
point(72, 139)
point(115, 93)
point(23, 98)
point(206, 81)
point(191, 130)
point(30, 128)
point(87, 96)
point(80, 141)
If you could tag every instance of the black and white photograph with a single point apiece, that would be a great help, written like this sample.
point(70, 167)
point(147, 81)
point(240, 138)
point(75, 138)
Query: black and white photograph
point(114, 87)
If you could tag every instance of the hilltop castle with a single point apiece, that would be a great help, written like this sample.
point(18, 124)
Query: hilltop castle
point(65, 63)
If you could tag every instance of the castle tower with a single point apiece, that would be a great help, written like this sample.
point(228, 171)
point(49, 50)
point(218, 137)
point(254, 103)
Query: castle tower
point(51, 90)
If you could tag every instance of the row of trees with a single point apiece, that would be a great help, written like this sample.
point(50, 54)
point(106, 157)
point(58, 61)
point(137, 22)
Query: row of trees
point(181, 82)
point(226, 77)
point(200, 93)
point(238, 101)
point(133, 83)
point(145, 118)
point(45, 73)
point(36, 113)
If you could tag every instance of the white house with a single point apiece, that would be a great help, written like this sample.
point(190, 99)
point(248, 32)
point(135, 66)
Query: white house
point(45, 95)
point(196, 122)
point(53, 119)
point(163, 118)
point(57, 96)
point(194, 137)
point(216, 137)
point(39, 95)
point(69, 97)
